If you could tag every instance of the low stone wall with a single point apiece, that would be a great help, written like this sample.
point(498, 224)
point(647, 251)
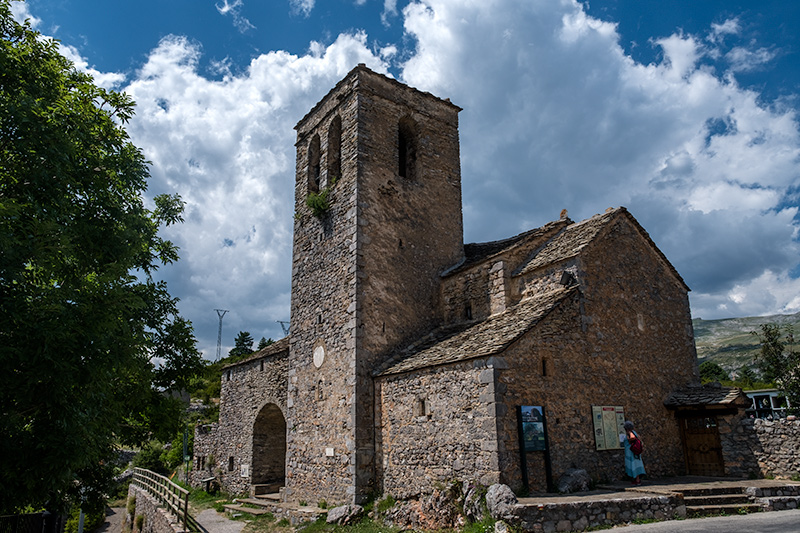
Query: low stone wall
point(776, 498)
point(579, 516)
point(762, 448)
point(156, 518)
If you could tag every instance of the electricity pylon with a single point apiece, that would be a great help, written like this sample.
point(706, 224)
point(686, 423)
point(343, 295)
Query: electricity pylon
point(220, 314)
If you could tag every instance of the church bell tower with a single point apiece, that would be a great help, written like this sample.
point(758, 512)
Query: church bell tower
point(377, 220)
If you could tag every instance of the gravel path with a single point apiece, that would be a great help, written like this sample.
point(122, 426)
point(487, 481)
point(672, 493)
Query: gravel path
point(114, 518)
point(215, 522)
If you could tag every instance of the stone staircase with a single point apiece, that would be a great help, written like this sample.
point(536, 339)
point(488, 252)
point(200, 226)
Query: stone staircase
point(704, 501)
point(718, 500)
point(266, 499)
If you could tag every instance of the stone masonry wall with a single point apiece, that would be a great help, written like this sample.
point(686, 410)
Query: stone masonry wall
point(156, 518)
point(486, 288)
point(247, 389)
point(758, 447)
point(436, 425)
point(321, 450)
point(409, 232)
point(638, 321)
point(602, 349)
point(205, 453)
point(594, 515)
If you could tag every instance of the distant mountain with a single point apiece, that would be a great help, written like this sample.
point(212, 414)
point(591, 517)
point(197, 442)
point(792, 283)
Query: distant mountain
point(729, 342)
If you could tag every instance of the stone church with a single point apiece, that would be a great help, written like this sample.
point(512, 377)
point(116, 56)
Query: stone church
point(415, 359)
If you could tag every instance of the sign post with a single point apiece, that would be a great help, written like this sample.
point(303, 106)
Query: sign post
point(532, 429)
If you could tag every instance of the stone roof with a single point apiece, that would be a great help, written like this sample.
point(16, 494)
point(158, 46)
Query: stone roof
point(475, 339)
point(478, 252)
point(281, 345)
point(708, 395)
point(574, 238)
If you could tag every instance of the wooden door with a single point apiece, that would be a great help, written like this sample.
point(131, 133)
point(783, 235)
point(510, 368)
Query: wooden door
point(703, 448)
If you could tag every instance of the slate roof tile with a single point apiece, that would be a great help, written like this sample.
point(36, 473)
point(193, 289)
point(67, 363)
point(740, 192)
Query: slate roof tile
point(477, 339)
point(569, 242)
point(710, 394)
point(574, 238)
point(478, 252)
point(276, 347)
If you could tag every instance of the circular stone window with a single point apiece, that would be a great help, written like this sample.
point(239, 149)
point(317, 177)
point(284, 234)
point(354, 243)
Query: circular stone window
point(319, 356)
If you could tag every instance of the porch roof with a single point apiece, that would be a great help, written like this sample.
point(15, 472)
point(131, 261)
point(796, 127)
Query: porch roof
point(709, 395)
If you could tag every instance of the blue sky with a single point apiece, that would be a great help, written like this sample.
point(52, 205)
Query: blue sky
point(684, 112)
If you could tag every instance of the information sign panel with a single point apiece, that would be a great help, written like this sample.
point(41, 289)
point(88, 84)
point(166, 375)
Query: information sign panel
point(608, 421)
point(533, 428)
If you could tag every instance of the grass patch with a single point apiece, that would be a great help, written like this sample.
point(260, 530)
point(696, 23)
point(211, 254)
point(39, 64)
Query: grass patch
point(200, 500)
point(484, 526)
point(364, 526)
point(385, 504)
point(265, 523)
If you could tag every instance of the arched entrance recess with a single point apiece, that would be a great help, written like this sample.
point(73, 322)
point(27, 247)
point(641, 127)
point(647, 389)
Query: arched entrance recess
point(269, 446)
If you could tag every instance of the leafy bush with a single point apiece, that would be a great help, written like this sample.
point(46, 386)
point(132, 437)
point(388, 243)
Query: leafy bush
point(173, 457)
point(318, 203)
point(149, 457)
point(710, 371)
point(92, 520)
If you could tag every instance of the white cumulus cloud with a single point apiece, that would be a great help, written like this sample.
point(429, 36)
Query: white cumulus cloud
point(303, 7)
point(234, 9)
point(227, 147)
point(556, 115)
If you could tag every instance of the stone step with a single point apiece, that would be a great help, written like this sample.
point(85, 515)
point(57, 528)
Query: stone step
point(713, 491)
point(236, 508)
point(727, 509)
point(717, 499)
point(265, 488)
point(257, 501)
point(273, 497)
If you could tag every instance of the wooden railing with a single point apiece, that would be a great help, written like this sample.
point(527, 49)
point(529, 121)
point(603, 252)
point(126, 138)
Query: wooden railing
point(173, 497)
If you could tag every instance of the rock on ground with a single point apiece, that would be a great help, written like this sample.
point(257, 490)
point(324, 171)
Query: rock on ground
point(574, 480)
point(345, 514)
point(500, 500)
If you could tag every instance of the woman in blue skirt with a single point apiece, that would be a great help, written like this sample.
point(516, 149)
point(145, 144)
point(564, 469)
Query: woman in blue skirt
point(634, 466)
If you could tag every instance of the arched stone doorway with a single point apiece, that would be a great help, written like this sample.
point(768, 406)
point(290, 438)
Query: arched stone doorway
point(269, 447)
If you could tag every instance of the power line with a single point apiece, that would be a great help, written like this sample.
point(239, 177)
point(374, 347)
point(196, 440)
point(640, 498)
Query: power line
point(220, 314)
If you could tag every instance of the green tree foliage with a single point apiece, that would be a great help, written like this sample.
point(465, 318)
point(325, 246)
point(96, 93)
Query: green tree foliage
point(710, 371)
point(81, 318)
point(779, 361)
point(747, 377)
point(264, 342)
point(242, 345)
point(94, 517)
point(151, 457)
point(173, 457)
